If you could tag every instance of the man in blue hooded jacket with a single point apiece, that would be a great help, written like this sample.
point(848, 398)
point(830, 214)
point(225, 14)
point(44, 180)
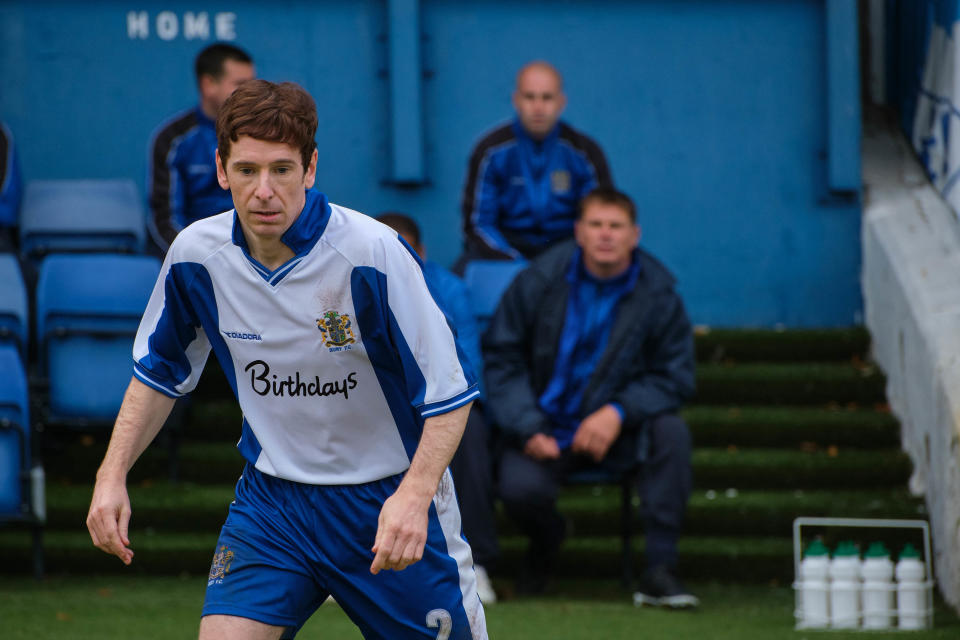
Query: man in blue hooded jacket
point(588, 358)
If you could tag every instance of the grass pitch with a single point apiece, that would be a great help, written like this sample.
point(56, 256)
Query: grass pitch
point(103, 608)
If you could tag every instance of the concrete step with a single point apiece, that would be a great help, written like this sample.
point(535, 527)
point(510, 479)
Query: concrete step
point(772, 345)
point(810, 428)
point(593, 510)
point(713, 467)
point(803, 383)
point(747, 425)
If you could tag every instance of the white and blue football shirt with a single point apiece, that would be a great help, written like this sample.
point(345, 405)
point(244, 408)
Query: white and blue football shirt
point(336, 357)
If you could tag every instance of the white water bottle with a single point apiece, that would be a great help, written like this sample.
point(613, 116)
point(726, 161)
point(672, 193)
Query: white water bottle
point(814, 587)
point(845, 587)
point(877, 572)
point(911, 590)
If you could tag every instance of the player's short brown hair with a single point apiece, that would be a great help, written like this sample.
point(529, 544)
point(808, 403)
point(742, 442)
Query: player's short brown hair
point(263, 110)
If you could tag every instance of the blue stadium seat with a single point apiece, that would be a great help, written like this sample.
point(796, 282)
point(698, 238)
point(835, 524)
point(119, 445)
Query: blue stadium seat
point(13, 304)
point(14, 432)
point(81, 216)
point(486, 281)
point(21, 481)
point(88, 310)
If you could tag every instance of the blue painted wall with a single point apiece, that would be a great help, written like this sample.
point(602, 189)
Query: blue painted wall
point(714, 115)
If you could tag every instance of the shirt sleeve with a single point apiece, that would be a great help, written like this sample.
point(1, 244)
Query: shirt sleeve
point(481, 208)
point(433, 363)
point(451, 295)
point(595, 171)
point(462, 317)
point(171, 347)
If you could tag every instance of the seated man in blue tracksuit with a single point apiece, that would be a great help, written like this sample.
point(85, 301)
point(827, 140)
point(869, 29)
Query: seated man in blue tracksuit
point(182, 177)
point(588, 358)
point(471, 466)
point(525, 178)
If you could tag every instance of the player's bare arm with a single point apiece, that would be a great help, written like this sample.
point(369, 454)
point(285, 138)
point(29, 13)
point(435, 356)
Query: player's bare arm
point(141, 416)
point(402, 526)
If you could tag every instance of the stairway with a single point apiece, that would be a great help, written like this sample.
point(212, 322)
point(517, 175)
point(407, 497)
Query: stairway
point(785, 423)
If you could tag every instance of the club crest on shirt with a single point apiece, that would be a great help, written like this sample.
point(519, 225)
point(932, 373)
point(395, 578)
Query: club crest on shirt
point(337, 330)
point(220, 567)
point(560, 181)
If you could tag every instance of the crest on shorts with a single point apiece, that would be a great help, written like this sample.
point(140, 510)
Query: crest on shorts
point(220, 567)
point(337, 329)
point(560, 181)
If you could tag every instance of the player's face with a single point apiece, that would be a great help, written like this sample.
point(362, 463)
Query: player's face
point(267, 181)
point(539, 101)
point(607, 237)
point(235, 73)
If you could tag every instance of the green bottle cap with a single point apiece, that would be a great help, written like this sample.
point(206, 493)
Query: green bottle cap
point(909, 552)
point(846, 549)
point(816, 548)
point(877, 550)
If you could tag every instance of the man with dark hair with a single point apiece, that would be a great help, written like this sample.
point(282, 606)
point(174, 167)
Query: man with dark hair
point(11, 190)
point(588, 358)
point(471, 465)
point(525, 178)
point(353, 390)
point(182, 176)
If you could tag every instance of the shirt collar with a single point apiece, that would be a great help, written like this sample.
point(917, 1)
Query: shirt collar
point(522, 133)
point(204, 119)
point(577, 272)
point(305, 230)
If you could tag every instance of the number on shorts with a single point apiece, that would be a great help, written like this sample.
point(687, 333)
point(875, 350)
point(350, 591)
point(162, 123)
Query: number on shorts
point(440, 618)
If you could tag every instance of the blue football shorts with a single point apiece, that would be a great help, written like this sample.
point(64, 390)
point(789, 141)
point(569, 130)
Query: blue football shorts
point(286, 546)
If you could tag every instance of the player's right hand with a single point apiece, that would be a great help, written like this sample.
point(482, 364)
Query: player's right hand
point(109, 518)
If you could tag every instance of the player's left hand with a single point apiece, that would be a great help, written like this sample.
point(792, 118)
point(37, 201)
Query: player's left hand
point(401, 530)
point(597, 432)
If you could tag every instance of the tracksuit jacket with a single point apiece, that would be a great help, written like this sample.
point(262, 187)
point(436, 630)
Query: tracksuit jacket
point(521, 195)
point(182, 180)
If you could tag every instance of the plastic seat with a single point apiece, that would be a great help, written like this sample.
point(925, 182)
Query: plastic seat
point(13, 304)
point(486, 281)
point(88, 310)
point(81, 216)
point(22, 496)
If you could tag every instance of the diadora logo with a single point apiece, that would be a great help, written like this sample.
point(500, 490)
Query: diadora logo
point(337, 330)
point(243, 335)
